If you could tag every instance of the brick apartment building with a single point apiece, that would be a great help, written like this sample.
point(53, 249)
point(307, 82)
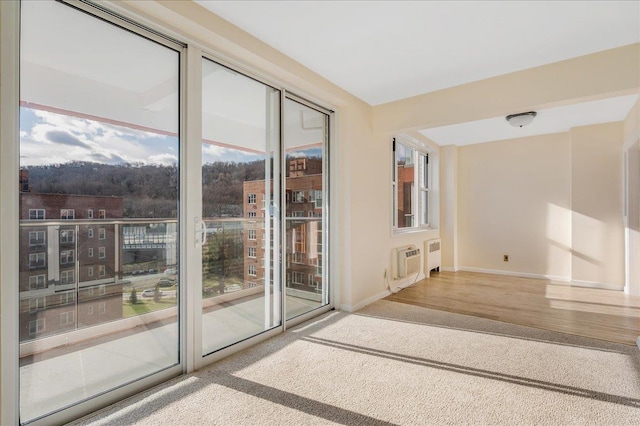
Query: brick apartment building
point(303, 243)
point(68, 273)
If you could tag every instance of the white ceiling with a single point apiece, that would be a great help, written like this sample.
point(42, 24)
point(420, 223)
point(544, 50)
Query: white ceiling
point(552, 120)
point(382, 51)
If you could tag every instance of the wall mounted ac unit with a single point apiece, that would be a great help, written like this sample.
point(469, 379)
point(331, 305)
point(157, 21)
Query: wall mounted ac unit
point(407, 261)
point(432, 256)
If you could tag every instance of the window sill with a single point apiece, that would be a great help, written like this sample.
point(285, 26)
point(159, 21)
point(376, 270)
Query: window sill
point(404, 231)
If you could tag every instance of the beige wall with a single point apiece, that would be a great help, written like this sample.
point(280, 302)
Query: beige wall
point(553, 203)
point(597, 205)
point(449, 206)
point(514, 198)
point(632, 149)
point(632, 122)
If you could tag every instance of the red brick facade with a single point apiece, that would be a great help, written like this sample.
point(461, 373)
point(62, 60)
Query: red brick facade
point(67, 272)
point(304, 202)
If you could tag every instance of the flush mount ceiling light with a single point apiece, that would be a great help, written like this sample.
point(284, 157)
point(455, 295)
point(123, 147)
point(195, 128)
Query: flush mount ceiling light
point(521, 119)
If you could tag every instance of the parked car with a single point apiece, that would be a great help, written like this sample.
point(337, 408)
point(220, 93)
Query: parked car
point(149, 292)
point(166, 282)
point(170, 271)
point(153, 271)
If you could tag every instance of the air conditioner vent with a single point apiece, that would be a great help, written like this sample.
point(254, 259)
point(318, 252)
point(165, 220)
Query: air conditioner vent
point(407, 261)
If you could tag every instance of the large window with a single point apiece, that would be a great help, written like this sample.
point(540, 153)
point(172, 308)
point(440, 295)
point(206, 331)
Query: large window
point(99, 113)
point(410, 186)
point(99, 122)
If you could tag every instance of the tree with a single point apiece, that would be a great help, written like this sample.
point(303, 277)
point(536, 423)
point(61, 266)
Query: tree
point(134, 297)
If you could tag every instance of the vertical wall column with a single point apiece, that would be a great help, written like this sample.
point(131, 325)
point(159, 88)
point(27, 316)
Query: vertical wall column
point(633, 220)
point(449, 206)
point(598, 240)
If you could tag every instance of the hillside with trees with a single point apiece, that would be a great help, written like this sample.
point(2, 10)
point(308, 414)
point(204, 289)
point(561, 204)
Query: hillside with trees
point(148, 190)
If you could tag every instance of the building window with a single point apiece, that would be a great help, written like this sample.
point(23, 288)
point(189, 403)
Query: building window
point(67, 318)
point(250, 284)
point(67, 256)
point(298, 277)
point(102, 290)
point(90, 310)
point(252, 270)
point(89, 214)
point(37, 238)
point(297, 257)
point(37, 214)
point(252, 252)
point(67, 277)
point(315, 196)
point(37, 303)
point(410, 184)
point(252, 214)
point(67, 214)
point(37, 260)
point(101, 252)
point(251, 199)
point(90, 291)
point(36, 326)
point(67, 236)
point(102, 308)
point(298, 196)
point(37, 282)
point(252, 234)
point(67, 297)
point(90, 252)
point(298, 213)
point(90, 268)
point(102, 233)
point(101, 271)
point(102, 214)
point(90, 233)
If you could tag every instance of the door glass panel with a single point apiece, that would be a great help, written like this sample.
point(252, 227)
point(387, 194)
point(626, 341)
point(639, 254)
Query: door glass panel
point(306, 131)
point(98, 207)
point(240, 286)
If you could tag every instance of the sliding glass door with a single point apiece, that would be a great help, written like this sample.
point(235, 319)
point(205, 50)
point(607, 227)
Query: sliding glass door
point(306, 136)
point(99, 167)
point(241, 292)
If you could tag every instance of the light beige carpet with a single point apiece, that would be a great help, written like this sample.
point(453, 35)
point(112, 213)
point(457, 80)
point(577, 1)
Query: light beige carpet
point(392, 363)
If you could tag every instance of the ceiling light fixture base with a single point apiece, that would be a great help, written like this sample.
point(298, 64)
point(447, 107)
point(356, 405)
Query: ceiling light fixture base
point(521, 119)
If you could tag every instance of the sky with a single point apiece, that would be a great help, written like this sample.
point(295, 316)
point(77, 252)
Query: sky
point(48, 138)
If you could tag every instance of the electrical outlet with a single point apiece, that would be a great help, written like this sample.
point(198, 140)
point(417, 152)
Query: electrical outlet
point(505, 257)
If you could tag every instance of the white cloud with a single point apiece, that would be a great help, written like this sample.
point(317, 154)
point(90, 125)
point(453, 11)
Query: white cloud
point(57, 138)
point(163, 159)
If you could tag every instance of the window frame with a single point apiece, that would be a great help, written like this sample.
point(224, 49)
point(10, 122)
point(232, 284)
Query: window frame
point(37, 241)
point(37, 282)
point(34, 214)
point(67, 256)
point(422, 184)
point(67, 214)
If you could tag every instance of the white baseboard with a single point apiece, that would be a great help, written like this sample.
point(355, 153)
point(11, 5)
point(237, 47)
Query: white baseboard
point(595, 284)
point(578, 283)
point(515, 274)
point(449, 269)
point(365, 302)
point(395, 284)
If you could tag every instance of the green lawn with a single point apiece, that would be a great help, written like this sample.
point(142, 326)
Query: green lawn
point(146, 305)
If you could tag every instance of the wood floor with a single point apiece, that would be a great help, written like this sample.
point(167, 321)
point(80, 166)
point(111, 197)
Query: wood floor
point(550, 305)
